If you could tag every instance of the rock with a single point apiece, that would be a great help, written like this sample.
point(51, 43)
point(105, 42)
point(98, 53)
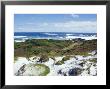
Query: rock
point(69, 72)
point(75, 57)
point(59, 72)
point(33, 70)
point(64, 74)
point(43, 58)
point(21, 70)
point(74, 72)
point(81, 64)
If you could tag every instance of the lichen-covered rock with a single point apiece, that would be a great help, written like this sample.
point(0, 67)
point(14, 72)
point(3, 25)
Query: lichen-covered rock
point(33, 70)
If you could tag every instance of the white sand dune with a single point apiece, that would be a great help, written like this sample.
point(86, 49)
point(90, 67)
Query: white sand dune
point(65, 68)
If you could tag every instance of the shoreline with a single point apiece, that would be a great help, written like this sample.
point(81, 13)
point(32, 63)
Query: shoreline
point(67, 38)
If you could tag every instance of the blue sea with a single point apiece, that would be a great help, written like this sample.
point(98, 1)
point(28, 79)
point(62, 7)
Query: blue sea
point(22, 36)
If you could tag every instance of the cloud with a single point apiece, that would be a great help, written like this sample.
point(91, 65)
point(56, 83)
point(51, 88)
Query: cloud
point(68, 26)
point(37, 24)
point(75, 16)
point(81, 26)
point(20, 28)
point(76, 24)
point(45, 24)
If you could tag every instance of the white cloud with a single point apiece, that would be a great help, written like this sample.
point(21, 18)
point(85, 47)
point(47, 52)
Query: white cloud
point(41, 25)
point(75, 16)
point(20, 28)
point(69, 26)
point(45, 24)
point(63, 25)
point(76, 24)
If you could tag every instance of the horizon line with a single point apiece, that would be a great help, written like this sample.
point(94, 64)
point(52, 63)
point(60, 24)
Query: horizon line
point(75, 32)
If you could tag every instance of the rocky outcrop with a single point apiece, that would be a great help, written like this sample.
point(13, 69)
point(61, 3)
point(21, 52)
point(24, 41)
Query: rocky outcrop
point(33, 70)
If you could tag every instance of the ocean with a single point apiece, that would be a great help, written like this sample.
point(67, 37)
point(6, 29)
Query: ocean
point(22, 36)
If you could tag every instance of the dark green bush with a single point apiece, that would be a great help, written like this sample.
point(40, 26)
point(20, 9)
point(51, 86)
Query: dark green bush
point(59, 62)
point(66, 58)
point(43, 58)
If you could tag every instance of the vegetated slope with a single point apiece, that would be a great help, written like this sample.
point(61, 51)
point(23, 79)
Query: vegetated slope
point(34, 47)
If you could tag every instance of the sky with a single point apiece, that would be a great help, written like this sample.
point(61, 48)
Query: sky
point(78, 23)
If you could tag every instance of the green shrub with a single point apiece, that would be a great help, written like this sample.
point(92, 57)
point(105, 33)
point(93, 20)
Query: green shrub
point(53, 58)
point(43, 58)
point(59, 62)
point(66, 58)
point(36, 47)
point(17, 45)
point(94, 60)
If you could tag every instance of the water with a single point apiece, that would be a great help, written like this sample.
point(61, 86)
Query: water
point(22, 36)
